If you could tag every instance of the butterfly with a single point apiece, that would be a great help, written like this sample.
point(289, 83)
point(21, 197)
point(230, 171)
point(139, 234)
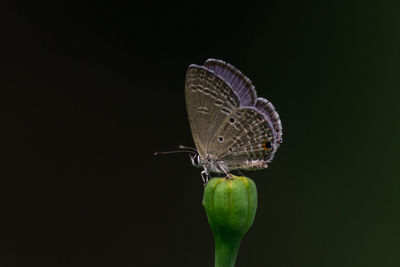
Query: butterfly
point(232, 128)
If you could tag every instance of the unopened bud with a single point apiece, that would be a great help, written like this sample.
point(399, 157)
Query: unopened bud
point(231, 205)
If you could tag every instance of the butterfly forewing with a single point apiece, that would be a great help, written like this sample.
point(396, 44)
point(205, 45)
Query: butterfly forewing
point(209, 101)
point(239, 83)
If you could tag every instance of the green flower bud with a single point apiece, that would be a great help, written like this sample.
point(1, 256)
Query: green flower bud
point(231, 205)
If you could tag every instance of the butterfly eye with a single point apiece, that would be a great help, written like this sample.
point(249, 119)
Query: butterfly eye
point(232, 120)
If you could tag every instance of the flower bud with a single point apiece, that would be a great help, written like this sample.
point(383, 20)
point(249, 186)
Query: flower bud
point(231, 205)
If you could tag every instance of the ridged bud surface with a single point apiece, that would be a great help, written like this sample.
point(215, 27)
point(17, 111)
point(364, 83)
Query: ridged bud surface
point(231, 205)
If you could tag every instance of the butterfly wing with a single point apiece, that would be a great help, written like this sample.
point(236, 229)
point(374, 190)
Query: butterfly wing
point(209, 100)
point(268, 110)
point(246, 140)
point(251, 134)
point(239, 83)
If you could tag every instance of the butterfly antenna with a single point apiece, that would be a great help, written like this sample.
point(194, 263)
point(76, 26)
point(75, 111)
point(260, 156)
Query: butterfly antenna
point(182, 149)
point(188, 148)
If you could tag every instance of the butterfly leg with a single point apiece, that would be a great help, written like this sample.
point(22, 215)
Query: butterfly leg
point(205, 176)
point(228, 175)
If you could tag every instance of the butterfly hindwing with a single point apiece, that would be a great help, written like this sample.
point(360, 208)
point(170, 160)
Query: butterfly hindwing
point(245, 140)
point(269, 111)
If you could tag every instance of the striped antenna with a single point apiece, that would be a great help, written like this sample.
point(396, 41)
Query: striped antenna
point(182, 149)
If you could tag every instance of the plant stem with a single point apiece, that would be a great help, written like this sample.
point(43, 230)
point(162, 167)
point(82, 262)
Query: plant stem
point(226, 252)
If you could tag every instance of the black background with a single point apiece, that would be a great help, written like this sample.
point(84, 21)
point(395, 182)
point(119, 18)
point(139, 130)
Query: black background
point(89, 90)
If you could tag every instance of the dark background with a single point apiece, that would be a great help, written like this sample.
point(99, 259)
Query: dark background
point(90, 89)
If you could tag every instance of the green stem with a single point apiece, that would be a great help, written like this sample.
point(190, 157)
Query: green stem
point(226, 252)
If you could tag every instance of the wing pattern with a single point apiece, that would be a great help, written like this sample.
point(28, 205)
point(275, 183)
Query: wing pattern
point(209, 100)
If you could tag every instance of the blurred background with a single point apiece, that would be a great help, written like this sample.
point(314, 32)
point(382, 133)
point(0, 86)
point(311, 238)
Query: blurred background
point(89, 90)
